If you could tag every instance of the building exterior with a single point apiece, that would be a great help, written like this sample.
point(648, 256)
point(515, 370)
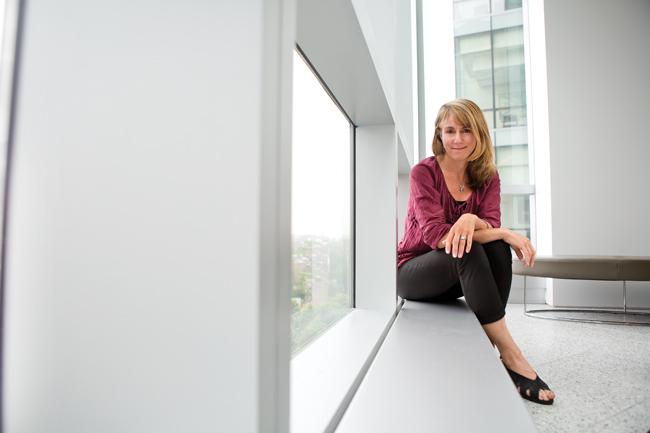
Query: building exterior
point(490, 70)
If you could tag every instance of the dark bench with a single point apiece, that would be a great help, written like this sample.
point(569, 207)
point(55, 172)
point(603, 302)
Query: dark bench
point(606, 268)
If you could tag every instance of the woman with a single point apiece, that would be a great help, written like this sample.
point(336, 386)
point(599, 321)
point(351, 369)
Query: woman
point(453, 242)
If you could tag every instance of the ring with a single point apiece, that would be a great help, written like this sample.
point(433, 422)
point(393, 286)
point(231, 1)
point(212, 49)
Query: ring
point(462, 238)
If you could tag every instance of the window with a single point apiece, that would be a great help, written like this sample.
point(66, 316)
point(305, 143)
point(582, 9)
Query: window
point(490, 70)
point(321, 209)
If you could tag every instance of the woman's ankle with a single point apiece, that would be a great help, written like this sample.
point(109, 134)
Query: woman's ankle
point(512, 356)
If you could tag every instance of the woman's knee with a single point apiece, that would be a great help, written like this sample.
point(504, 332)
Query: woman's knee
point(404, 291)
point(476, 252)
point(500, 249)
point(408, 287)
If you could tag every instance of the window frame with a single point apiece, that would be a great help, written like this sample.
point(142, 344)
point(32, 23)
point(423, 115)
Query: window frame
point(352, 146)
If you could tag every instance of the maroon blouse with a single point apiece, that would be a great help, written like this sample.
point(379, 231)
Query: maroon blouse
point(432, 210)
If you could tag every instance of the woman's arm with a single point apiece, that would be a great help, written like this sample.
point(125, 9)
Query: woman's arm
point(489, 235)
point(521, 244)
point(482, 235)
point(427, 205)
point(479, 225)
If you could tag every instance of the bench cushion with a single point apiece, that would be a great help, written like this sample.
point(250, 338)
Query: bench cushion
point(612, 268)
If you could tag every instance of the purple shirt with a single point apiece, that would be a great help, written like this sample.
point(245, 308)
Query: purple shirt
point(432, 210)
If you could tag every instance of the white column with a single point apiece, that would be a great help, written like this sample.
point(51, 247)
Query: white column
point(148, 267)
point(375, 217)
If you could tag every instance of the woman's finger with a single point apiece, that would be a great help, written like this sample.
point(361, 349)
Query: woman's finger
point(526, 253)
point(519, 253)
point(531, 253)
point(468, 246)
point(534, 254)
point(454, 245)
point(450, 236)
point(450, 241)
point(461, 245)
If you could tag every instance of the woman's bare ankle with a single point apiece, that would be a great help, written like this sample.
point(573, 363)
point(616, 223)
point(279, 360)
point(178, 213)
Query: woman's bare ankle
point(516, 362)
point(511, 355)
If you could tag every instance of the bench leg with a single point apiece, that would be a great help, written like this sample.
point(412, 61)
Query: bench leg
point(525, 308)
point(632, 318)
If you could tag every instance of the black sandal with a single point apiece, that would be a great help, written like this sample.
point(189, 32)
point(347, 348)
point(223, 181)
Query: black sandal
point(524, 384)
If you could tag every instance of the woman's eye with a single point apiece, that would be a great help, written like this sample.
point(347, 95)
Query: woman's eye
point(466, 131)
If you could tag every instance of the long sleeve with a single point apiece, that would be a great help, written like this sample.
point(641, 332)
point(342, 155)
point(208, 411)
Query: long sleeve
point(427, 206)
point(490, 207)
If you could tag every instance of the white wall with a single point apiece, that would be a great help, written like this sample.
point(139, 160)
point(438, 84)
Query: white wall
point(145, 290)
point(386, 26)
point(598, 92)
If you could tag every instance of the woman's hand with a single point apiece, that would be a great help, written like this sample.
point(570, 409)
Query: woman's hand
point(459, 238)
point(522, 246)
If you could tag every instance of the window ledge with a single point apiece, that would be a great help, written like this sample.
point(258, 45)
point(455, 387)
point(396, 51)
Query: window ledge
point(325, 375)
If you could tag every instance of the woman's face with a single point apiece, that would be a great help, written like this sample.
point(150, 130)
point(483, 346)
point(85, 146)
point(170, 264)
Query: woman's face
point(458, 141)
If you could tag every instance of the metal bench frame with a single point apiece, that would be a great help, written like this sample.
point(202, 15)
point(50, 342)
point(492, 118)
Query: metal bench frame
point(540, 313)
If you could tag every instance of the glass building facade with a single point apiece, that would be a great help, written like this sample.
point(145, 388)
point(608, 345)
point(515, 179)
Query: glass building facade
point(490, 70)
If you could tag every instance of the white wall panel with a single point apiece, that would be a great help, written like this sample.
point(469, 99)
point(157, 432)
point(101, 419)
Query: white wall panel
point(137, 271)
point(598, 94)
point(376, 225)
point(386, 26)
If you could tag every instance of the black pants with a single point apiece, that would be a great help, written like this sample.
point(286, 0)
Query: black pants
point(483, 276)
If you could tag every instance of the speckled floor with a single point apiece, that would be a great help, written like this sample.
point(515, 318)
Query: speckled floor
point(600, 373)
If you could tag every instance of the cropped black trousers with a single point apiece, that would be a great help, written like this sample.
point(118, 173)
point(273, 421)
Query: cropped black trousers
point(483, 276)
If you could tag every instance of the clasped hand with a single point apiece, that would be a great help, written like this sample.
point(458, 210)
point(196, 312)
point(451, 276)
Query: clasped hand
point(523, 247)
point(459, 238)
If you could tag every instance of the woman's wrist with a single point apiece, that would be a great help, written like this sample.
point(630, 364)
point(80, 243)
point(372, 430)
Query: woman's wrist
point(480, 223)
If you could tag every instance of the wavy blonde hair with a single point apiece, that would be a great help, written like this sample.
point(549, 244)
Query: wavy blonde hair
point(480, 167)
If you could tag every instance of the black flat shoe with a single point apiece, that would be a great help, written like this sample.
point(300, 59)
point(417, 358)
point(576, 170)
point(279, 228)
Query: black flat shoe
point(524, 384)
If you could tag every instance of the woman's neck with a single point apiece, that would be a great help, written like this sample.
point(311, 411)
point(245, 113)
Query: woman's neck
point(456, 167)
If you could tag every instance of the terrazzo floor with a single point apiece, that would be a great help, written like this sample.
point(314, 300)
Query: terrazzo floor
point(600, 373)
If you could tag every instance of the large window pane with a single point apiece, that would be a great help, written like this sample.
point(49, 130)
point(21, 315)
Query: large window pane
point(515, 213)
point(512, 4)
point(512, 162)
point(509, 76)
point(467, 9)
point(474, 68)
point(321, 204)
point(499, 6)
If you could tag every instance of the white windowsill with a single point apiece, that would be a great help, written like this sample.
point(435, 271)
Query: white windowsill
point(324, 372)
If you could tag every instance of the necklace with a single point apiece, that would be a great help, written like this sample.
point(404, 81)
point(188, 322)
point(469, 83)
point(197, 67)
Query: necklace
point(461, 187)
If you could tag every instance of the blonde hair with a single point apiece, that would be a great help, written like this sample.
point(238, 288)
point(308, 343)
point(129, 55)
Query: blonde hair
point(480, 167)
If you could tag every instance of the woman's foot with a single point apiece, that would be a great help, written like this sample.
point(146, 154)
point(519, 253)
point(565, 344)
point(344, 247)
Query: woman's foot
point(529, 385)
point(527, 388)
